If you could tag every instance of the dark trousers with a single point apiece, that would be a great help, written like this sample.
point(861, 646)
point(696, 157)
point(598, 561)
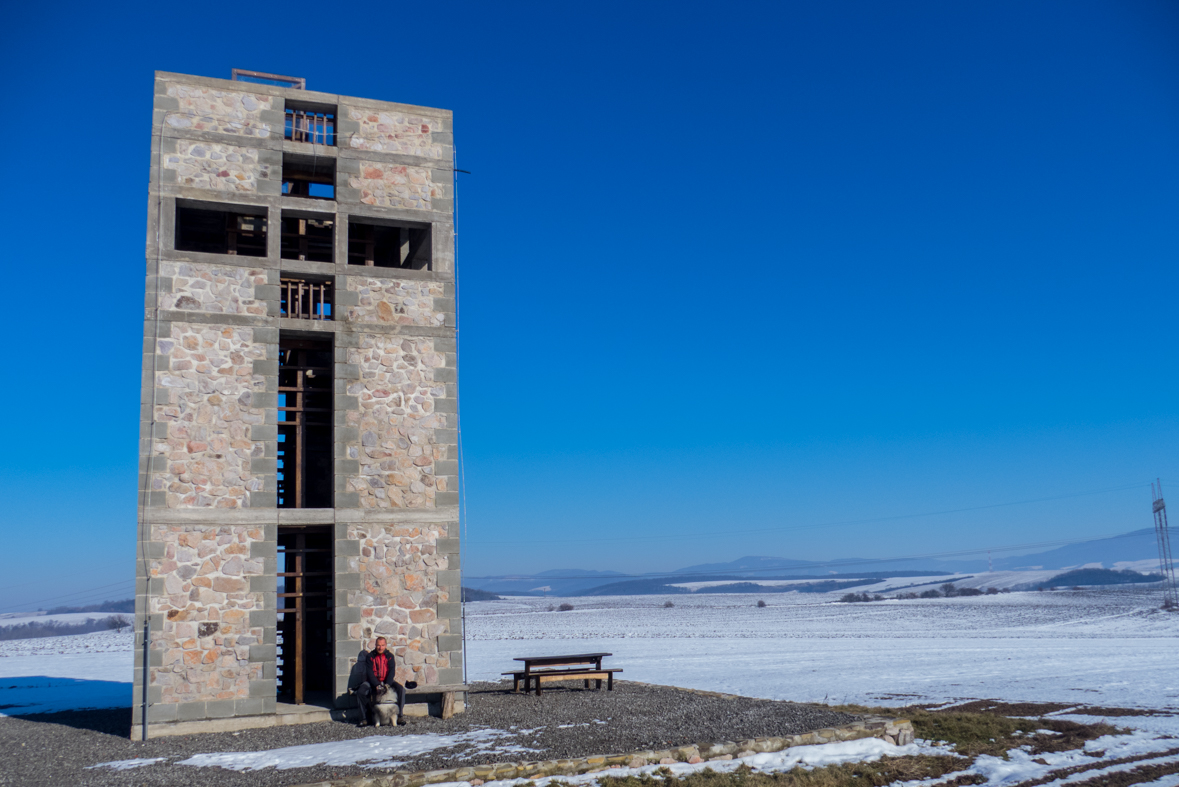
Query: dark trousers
point(364, 697)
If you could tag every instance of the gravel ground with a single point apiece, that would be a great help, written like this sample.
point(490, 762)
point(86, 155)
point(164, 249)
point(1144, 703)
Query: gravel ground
point(565, 722)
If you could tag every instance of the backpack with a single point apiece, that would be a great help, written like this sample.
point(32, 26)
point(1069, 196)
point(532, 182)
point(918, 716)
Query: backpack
point(357, 675)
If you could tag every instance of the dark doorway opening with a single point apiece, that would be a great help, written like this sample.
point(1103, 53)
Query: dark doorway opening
point(305, 668)
point(305, 469)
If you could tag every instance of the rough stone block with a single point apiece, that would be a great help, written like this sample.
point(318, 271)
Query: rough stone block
point(160, 712)
point(262, 688)
point(191, 711)
point(262, 653)
point(264, 432)
point(267, 618)
point(264, 499)
point(219, 709)
point(263, 464)
point(252, 706)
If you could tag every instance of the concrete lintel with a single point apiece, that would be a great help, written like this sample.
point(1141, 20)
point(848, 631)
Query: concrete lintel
point(441, 515)
point(306, 516)
point(212, 517)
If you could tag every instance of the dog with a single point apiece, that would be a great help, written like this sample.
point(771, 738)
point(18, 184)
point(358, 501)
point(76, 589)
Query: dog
point(384, 707)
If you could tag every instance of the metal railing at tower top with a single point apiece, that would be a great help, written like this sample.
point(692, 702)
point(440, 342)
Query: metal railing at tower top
point(308, 125)
point(300, 299)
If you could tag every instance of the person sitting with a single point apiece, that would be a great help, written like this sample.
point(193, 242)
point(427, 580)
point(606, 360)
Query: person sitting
point(379, 671)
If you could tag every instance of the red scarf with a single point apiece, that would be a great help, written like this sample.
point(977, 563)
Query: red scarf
point(380, 665)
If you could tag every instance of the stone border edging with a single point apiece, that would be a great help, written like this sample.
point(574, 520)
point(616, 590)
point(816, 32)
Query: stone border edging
point(897, 731)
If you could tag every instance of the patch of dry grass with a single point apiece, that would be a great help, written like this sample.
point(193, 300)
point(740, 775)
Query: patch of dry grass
point(860, 774)
point(982, 732)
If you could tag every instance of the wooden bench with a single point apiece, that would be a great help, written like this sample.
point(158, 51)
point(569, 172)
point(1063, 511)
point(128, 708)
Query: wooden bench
point(546, 669)
point(447, 690)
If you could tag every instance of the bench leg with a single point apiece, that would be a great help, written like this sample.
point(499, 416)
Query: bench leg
point(599, 684)
point(447, 704)
point(587, 683)
point(609, 682)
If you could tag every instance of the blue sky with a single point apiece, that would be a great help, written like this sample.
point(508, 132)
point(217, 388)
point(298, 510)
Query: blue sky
point(729, 273)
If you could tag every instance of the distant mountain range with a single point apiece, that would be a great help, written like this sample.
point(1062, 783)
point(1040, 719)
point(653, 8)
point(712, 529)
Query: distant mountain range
point(1105, 552)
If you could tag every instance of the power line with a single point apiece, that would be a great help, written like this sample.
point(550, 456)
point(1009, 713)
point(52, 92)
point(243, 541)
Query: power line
point(69, 595)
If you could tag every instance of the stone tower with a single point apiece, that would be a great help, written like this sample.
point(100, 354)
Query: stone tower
point(298, 468)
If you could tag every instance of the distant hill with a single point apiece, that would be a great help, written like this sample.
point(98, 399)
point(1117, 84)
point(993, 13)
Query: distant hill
point(1128, 547)
point(1138, 545)
point(1097, 576)
point(558, 582)
point(126, 605)
point(765, 566)
point(1098, 553)
point(471, 594)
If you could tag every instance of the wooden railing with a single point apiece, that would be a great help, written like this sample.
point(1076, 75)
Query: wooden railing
point(305, 300)
point(303, 125)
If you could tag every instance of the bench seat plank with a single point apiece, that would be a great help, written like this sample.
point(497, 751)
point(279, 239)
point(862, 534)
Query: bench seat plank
point(439, 688)
point(549, 675)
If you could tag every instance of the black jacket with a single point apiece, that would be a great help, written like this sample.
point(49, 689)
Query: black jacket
point(370, 675)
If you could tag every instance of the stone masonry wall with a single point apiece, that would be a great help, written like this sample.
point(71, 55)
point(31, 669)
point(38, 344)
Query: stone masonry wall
point(216, 167)
point(212, 288)
point(399, 595)
point(208, 413)
point(396, 301)
point(206, 605)
point(396, 422)
point(394, 186)
point(222, 111)
point(394, 132)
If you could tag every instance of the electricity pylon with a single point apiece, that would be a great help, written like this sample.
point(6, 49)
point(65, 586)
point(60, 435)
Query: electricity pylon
point(1166, 568)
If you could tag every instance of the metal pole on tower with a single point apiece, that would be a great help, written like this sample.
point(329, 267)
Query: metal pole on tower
point(1162, 533)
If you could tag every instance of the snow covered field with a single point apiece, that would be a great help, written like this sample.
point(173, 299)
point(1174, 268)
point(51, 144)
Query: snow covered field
point(1111, 648)
point(16, 619)
point(50, 674)
point(1107, 648)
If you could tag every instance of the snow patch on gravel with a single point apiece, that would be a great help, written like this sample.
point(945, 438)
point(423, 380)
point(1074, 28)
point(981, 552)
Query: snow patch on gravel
point(375, 751)
point(126, 765)
point(817, 756)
